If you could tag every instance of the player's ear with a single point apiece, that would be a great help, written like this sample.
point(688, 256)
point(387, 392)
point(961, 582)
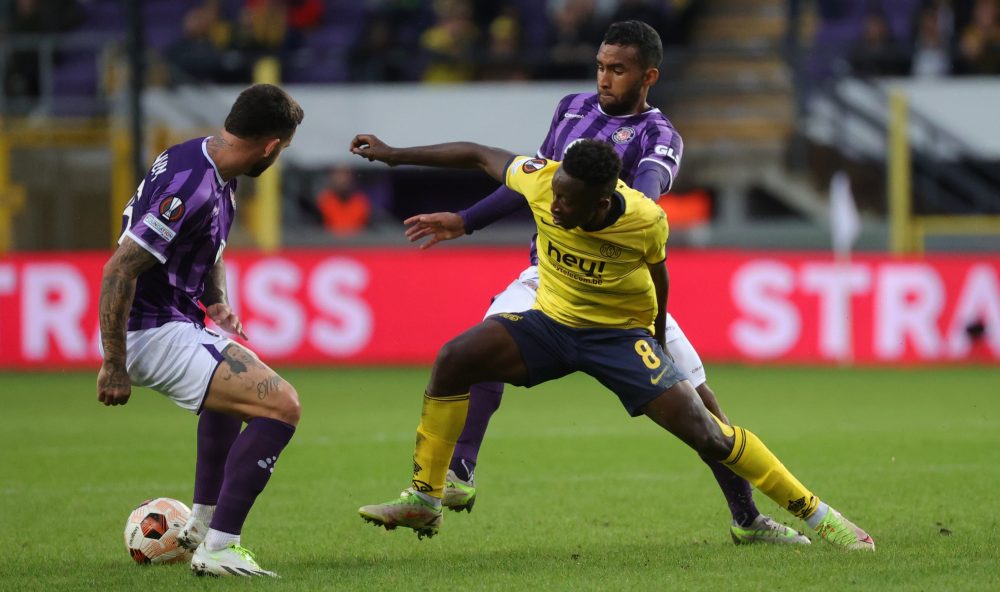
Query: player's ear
point(651, 76)
point(271, 145)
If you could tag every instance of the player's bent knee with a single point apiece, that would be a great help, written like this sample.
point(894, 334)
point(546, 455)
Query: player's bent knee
point(290, 409)
point(283, 405)
point(451, 356)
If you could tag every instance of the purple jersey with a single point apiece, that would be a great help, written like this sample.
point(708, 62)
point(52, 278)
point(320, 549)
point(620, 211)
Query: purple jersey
point(648, 137)
point(181, 213)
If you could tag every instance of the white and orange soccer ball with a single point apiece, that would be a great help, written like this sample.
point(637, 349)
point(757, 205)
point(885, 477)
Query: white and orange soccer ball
point(151, 531)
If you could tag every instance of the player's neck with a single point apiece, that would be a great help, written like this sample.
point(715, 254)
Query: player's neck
point(598, 221)
point(606, 216)
point(222, 150)
point(641, 106)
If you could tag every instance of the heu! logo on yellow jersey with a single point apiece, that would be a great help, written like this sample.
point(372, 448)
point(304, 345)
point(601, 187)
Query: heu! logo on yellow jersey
point(586, 266)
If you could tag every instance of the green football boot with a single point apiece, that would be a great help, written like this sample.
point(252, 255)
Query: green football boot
point(409, 510)
point(765, 529)
point(843, 533)
point(458, 495)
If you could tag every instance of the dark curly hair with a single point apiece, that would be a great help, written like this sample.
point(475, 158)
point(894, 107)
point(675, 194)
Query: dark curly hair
point(264, 111)
point(639, 35)
point(594, 162)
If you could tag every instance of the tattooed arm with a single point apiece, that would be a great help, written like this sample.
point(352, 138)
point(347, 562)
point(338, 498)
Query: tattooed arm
point(215, 285)
point(117, 292)
point(217, 303)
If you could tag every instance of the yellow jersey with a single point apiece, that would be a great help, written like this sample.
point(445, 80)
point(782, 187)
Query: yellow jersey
point(593, 279)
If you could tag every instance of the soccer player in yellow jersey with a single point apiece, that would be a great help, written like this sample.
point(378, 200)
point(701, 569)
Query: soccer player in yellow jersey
point(603, 282)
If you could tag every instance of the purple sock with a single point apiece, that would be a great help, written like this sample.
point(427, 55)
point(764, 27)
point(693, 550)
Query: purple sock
point(216, 434)
point(248, 468)
point(738, 493)
point(484, 400)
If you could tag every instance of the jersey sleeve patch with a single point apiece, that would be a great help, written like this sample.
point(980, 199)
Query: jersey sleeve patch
point(154, 224)
point(172, 209)
point(533, 165)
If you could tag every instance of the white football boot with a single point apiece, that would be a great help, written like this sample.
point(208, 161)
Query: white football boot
point(233, 560)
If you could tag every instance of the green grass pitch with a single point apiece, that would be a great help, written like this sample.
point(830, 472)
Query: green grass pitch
point(574, 495)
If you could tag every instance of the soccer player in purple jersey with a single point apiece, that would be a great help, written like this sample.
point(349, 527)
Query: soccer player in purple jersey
point(168, 265)
point(650, 149)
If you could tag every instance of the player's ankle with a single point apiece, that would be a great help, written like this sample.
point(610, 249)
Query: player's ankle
point(463, 468)
point(817, 517)
point(216, 540)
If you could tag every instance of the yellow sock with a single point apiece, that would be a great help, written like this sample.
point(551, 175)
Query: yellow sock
point(441, 423)
point(753, 461)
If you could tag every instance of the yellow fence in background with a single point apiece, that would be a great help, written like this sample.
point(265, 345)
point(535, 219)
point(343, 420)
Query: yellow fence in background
point(11, 195)
point(63, 133)
point(262, 213)
point(908, 231)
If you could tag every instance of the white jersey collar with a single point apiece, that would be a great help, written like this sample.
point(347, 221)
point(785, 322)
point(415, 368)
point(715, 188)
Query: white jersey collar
point(204, 150)
point(647, 112)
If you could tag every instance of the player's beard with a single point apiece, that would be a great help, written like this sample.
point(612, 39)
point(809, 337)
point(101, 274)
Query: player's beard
point(628, 104)
point(262, 165)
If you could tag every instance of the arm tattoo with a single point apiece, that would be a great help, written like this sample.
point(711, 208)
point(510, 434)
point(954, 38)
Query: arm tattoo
point(117, 292)
point(215, 285)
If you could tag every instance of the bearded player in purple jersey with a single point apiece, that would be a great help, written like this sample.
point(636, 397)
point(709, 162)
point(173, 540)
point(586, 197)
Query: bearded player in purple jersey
point(650, 149)
point(167, 267)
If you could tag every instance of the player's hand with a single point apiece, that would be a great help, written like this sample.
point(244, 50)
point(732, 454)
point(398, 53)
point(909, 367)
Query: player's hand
point(226, 319)
point(439, 226)
point(370, 147)
point(114, 387)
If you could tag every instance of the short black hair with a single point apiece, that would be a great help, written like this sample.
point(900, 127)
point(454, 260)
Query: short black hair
point(264, 111)
point(594, 162)
point(639, 35)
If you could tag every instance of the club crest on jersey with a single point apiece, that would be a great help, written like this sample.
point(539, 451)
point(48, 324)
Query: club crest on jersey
point(611, 251)
point(171, 209)
point(623, 135)
point(533, 165)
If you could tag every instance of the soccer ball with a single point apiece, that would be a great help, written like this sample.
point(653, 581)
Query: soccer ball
point(151, 531)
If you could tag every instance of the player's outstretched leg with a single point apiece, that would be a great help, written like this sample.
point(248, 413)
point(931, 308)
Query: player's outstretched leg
point(460, 487)
point(748, 525)
point(419, 507)
point(216, 434)
point(751, 459)
point(681, 412)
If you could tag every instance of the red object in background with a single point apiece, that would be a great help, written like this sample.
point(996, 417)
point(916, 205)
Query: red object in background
point(305, 14)
point(390, 306)
point(343, 215)
point(687, 209)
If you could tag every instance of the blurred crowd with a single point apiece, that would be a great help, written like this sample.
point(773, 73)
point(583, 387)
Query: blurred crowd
point(922, 38)
point(464, 40)
point(410, 40)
